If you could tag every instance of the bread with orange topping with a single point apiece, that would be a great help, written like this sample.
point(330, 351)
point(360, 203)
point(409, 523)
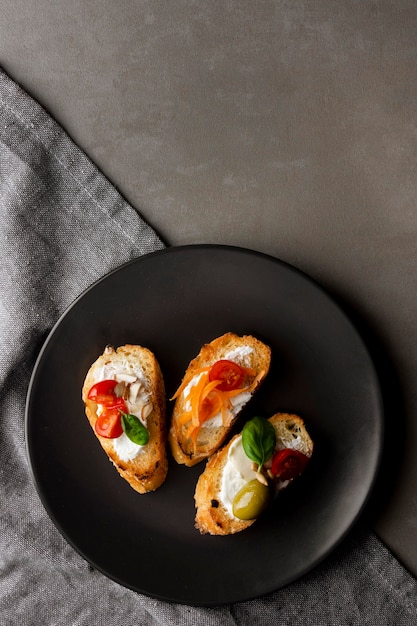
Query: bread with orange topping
point(196, 432)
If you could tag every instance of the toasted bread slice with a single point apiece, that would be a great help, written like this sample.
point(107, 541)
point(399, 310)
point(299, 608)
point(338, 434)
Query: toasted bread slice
point(141, 384)
point(214, 496)
point(249, 353)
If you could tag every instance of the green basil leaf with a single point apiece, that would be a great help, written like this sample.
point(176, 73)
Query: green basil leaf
point(134, 429)
point(258, 440)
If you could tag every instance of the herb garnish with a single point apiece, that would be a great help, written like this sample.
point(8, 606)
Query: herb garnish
point(258, 440)
point(134, 429)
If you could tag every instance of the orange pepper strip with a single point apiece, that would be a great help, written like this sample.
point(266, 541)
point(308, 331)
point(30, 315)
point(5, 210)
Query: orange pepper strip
point(192, 433)
point(197, 413)
point(185, 417)
point(194, 397)
point(194, 436)
point(219, 406)
point(208, 389)
point(187, 380)
point(249, 371)
point(223, 405)
point(214, 406)
point(224, 397)
point(200, 391)
point(251, 387)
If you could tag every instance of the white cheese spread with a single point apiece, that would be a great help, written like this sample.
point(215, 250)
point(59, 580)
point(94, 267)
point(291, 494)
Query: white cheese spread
point(240, 355)
point(126, 449)
point(132, 386)
point(236, 473)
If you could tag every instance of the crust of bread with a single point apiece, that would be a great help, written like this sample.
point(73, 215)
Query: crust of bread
point(148, 470)
point(211, 516)
point(210, 439)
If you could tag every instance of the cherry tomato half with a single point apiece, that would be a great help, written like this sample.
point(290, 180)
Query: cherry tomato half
point(228, 372)
point(116, 403)
point(288, 463)
point(103, 392)
point(109, 424)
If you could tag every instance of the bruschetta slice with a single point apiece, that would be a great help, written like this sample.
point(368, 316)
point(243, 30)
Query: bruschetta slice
point(124, 397)
point(241, 479)
point(216, 386)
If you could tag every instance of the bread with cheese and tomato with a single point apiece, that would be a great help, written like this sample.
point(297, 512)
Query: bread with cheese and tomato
point(216, 386)
point(124, 397)
point(233, 491)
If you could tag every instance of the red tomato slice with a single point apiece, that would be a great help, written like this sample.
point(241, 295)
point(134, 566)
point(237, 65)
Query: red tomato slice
point(228, 372)
point(288, 463)
point(103, 392)
point(116, 403)
point(109, 424)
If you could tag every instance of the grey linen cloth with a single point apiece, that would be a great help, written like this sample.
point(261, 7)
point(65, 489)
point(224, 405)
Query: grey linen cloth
point(63, 226)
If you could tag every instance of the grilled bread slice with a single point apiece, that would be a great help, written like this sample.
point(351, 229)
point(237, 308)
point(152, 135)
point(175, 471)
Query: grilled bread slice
point(139, 382)
point(230, 470)
point(204, 413)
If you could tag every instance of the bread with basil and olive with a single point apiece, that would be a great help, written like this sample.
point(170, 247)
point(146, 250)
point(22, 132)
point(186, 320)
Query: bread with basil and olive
point(241, 479)
point(124, 397)
point(216, 386)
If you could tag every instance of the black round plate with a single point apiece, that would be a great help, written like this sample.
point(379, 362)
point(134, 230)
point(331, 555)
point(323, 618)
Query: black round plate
point(173, 301)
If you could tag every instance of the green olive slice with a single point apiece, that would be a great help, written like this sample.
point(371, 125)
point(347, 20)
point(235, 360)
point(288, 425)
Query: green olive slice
point(251, 500)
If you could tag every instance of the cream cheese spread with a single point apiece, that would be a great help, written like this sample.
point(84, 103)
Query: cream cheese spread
point(236, 473)
point(240, 355)
point(126, 449)
point(132, 386)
